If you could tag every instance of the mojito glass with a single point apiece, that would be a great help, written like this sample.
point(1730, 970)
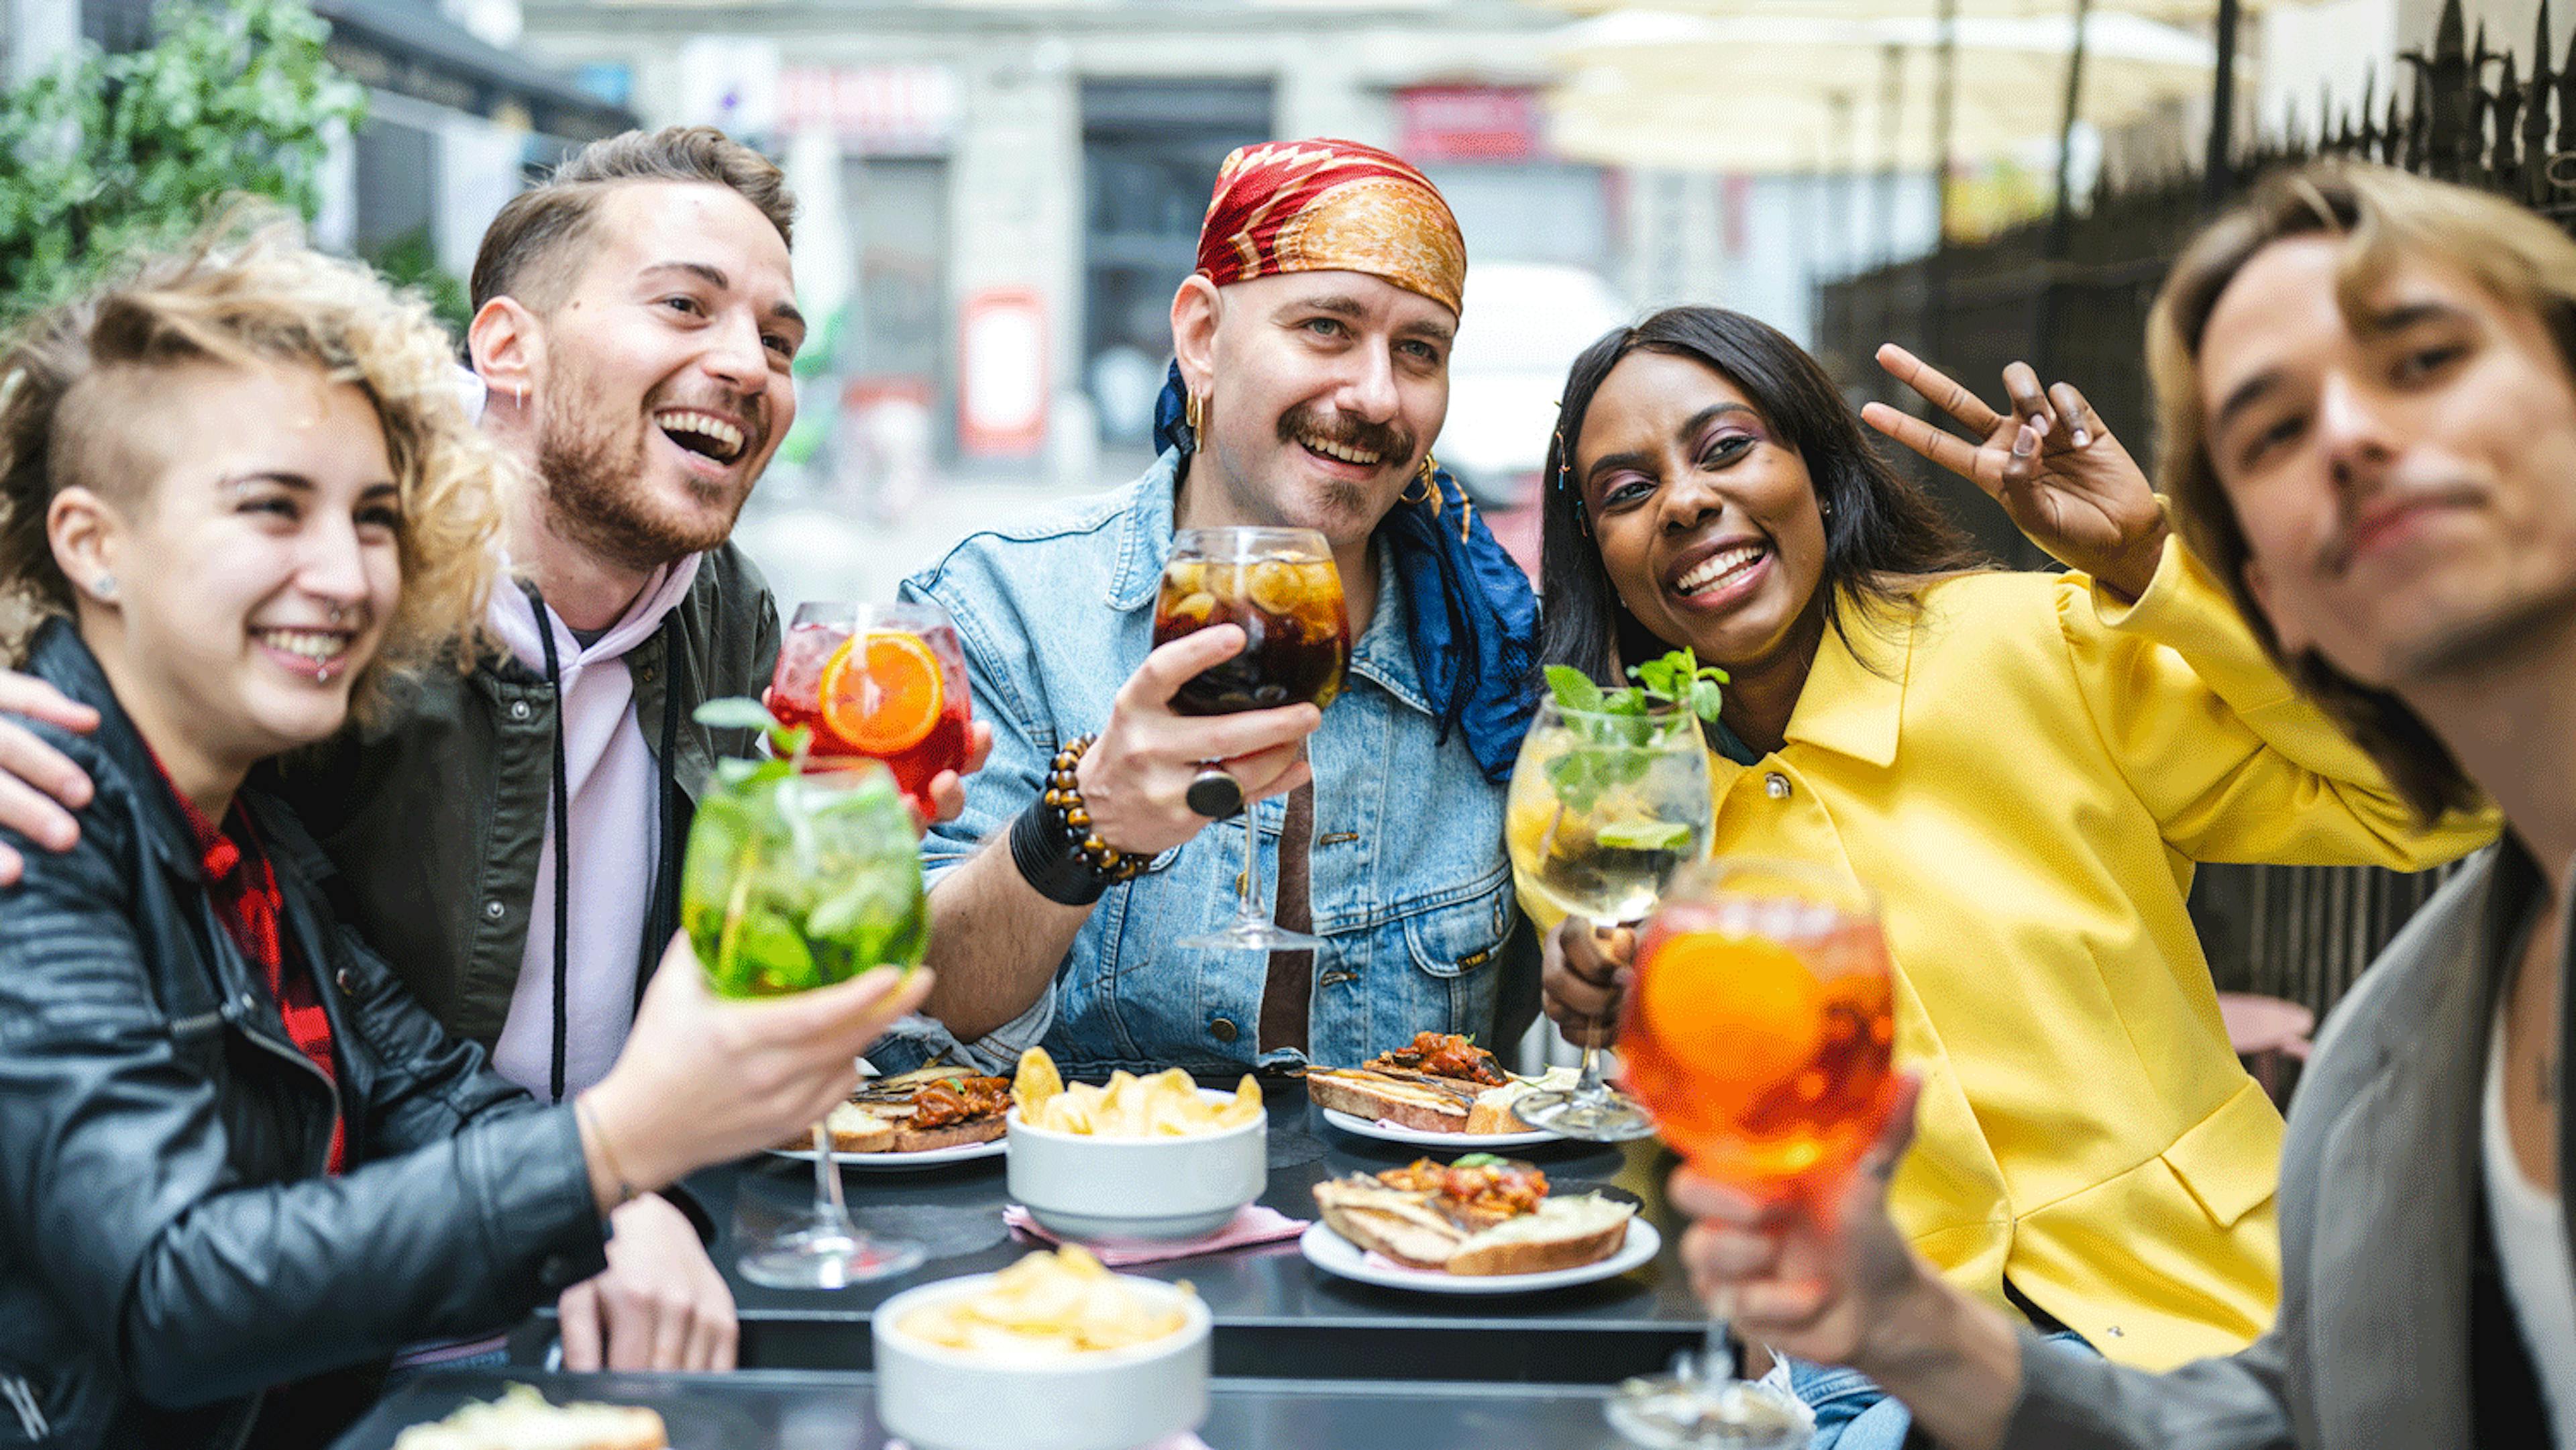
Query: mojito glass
point(797, 880)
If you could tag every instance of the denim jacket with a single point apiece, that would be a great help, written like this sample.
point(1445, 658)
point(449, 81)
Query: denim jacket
point(1408, 881)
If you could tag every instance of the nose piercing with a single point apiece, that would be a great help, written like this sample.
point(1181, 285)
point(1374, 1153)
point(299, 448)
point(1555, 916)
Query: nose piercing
point(339, 612)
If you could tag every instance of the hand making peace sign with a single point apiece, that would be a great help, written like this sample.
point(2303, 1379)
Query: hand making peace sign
point(2061, 476)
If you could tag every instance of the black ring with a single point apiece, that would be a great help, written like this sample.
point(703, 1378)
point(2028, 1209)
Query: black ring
point(1214, 794)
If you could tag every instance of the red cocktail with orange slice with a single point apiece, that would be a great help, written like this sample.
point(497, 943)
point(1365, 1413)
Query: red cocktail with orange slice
point(1761, 1033)
point(880, 681)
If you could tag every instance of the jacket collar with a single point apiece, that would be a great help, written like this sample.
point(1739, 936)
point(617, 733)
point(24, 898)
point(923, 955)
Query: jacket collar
point(1854, 700)
point(61, 658)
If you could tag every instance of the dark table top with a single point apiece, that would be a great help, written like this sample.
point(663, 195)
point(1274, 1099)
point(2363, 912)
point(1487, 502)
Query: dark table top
point(787, 1410)
point(1276, 1315)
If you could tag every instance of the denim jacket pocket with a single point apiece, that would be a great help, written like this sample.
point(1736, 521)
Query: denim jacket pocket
point(1453, 933)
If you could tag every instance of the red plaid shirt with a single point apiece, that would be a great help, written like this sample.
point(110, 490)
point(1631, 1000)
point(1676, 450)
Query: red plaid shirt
point(244, 888)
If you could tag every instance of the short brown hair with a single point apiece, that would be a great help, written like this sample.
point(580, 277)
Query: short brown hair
point(248, 293)
point(2520, 258)
point(526, 249)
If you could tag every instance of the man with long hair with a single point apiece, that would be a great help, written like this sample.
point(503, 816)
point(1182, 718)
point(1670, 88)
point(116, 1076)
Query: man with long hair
point(2367, 384)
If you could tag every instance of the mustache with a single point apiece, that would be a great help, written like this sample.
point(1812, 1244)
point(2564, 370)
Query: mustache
point(2360, 517)
point(1391, 442)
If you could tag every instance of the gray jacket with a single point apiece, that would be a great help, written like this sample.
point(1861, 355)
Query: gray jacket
point(2382, 1237)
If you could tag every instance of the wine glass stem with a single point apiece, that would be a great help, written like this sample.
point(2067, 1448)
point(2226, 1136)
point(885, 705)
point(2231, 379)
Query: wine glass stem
point(1588, 1085)
point(1717, 1360)
point(827, 1182)
point(1248, 902)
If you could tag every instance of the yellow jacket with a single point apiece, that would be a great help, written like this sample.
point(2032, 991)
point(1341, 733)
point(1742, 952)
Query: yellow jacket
point(2026, 782)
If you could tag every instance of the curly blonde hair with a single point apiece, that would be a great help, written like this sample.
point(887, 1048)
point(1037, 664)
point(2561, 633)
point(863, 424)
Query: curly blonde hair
point(248, 292)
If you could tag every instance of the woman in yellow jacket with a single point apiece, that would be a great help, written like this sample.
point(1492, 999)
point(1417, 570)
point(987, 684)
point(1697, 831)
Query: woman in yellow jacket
point(2024, 767)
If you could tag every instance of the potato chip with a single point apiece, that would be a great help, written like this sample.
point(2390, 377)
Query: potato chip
point(1165, 1105)
point(1047, 1306)
point(1035, 1082)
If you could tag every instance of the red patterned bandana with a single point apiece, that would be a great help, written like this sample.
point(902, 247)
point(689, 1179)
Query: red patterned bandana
point(1331, 206)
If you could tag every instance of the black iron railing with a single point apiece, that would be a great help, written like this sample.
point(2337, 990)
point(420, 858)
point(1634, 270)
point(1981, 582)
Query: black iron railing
point(2075, 306)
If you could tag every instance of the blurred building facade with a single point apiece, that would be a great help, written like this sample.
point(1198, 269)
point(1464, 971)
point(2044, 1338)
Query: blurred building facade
point(1019, 186)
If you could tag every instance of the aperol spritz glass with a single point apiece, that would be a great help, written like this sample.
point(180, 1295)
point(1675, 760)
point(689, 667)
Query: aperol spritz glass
point(1604, 808)
point(877, 682)
point(1760, 1032)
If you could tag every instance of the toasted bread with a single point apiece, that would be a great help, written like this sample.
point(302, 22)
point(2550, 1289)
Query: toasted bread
point(1492, 1112)
point(879, 1118)
point(1427, 1106)
point(1564, 1233)
point(855, 1129)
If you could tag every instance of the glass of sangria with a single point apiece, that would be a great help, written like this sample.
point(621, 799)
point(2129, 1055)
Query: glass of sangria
point(876, 682)
point(1280, 586)
point(1604, 808)
point(1760, 1032)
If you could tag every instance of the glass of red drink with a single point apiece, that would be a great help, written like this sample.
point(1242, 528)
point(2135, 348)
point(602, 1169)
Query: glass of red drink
point(1760, 1031)
point(1281, 588)
point(878, 682)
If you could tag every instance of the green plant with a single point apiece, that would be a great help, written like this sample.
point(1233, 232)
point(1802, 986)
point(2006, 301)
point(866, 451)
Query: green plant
point(410, 261)
point(120, 152)
point(1616, 726)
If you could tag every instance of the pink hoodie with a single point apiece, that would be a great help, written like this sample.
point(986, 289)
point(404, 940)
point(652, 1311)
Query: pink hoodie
point(611, 784)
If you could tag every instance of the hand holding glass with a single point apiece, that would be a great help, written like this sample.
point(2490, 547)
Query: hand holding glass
point(1761, 1033)
point(1604, 807)
point(795, 881)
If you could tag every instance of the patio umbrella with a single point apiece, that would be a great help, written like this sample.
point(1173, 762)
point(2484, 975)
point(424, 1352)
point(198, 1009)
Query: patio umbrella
point(1772, 92)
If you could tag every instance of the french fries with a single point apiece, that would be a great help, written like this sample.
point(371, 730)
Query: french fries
point(1166, 1105)
point(1046, 1306)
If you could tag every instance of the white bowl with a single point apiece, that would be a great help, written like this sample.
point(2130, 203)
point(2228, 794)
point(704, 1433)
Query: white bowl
point(938, 1398)
point(1138, 1188)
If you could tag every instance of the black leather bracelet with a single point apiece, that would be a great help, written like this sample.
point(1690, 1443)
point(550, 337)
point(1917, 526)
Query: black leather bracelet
point(1053, 845)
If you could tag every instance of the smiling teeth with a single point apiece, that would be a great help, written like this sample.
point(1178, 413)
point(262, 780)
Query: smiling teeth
point(1718, 568)
point(1343, 452)
point(311, 644)
point(715, 430)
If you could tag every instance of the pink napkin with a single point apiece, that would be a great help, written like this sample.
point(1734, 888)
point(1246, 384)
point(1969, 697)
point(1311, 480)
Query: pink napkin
point(1253, 1224)
point(1182, 1441)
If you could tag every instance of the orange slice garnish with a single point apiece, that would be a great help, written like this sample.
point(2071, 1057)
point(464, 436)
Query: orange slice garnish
point(1745, 1011)
point(887, 704)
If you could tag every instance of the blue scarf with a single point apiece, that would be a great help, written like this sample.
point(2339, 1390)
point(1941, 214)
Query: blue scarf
point(1475, 622)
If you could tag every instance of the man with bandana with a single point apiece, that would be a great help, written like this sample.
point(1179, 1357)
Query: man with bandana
point(1311, 375)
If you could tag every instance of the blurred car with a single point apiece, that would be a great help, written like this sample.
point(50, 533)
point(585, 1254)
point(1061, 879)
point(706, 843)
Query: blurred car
point(1522, 325)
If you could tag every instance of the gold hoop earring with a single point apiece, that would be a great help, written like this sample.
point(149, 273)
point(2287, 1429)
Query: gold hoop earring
point(1194, 413)
point(1427, 477)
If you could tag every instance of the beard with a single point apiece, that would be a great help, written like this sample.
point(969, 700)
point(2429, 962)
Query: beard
point(2520, 629)
point(592, 481)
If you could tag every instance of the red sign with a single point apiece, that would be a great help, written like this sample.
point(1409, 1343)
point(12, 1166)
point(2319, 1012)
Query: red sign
point(1467, 123)
point(1002, 374)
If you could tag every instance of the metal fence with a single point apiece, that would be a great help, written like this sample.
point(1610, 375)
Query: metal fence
point(2070, 295)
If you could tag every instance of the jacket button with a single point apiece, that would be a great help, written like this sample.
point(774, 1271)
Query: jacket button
point(518, 709)
point(493, 909)
point(1776, 786)
point(1223, 1029)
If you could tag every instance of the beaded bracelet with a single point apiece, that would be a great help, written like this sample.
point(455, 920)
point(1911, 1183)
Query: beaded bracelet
point(1054, 845)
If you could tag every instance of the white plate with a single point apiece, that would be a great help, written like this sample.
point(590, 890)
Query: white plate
point(1335, 1254)
point(898, 1162)
point(1416, 1137)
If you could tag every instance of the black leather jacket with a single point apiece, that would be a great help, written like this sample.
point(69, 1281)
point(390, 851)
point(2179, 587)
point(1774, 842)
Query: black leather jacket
point(169, 1243)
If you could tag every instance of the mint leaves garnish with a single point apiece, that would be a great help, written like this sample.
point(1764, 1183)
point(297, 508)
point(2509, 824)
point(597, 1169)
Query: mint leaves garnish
point(1613, 728)
point(787, 746)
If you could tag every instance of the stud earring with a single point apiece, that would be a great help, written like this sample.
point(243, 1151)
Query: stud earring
point(104, 586)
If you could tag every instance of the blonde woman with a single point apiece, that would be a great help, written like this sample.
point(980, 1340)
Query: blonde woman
point(239, 494)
